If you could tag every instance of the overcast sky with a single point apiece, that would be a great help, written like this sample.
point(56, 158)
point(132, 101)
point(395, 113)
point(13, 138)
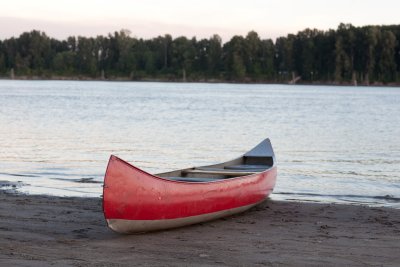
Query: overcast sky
point(150, 18)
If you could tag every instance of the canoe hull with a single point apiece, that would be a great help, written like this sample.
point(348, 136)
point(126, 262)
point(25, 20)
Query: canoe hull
point(137, 226)
point(136, 201)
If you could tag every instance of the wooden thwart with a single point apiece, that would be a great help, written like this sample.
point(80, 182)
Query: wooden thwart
point(192, 179)
point(218, 172)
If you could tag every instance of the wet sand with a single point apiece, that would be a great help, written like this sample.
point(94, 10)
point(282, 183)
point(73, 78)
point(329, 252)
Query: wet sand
point(54, 231)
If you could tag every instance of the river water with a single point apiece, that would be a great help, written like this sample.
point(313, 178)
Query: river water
point(333, 144)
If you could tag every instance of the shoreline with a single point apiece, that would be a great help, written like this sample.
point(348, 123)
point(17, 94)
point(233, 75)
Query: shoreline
point(209, 81)
point(38, 230)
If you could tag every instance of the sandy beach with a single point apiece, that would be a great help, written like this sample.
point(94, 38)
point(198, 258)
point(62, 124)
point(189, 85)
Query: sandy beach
point(56, 231)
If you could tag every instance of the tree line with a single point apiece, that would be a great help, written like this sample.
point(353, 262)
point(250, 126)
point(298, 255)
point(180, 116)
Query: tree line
point(347, 55)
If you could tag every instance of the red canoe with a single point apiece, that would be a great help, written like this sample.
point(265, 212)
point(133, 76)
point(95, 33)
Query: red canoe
point(137, 201)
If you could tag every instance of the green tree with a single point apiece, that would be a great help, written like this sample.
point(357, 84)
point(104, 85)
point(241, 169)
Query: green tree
point(161, 47)
point(267, 59)
point(200, 62)
point(2, 59)
point(305, 53)
point(345, 52)
point(214, 56)
point(125, 61)
point(182, 56)
point(63, 63)
point(86, 56)
point(10, 50)
point(387, 66)
point(366, 54)
point(34, 52)
point(284, 57)
point(370, 43)
point(234, 54)
point(253, 56)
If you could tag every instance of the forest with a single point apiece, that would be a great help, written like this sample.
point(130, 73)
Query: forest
point(348, 55)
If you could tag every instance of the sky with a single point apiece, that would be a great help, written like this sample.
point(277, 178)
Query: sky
point(151, 18)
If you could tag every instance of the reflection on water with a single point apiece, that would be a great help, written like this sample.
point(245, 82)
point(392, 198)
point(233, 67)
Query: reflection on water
point(339, 144)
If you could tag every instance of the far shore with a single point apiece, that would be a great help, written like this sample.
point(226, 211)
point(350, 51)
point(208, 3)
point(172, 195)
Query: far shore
point(66, 231)
point(212, 81)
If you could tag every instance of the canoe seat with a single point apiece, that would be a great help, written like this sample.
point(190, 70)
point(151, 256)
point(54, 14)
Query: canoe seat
point(258, 160)
point(191, 179)
point(216, 171)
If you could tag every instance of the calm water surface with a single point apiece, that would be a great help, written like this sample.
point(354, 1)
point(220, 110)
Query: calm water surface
point(333, 144)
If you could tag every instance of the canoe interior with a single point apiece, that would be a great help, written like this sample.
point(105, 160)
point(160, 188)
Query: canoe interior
point(243, 166)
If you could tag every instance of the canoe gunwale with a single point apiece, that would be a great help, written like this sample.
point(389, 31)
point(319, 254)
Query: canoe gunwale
point(156, 176)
